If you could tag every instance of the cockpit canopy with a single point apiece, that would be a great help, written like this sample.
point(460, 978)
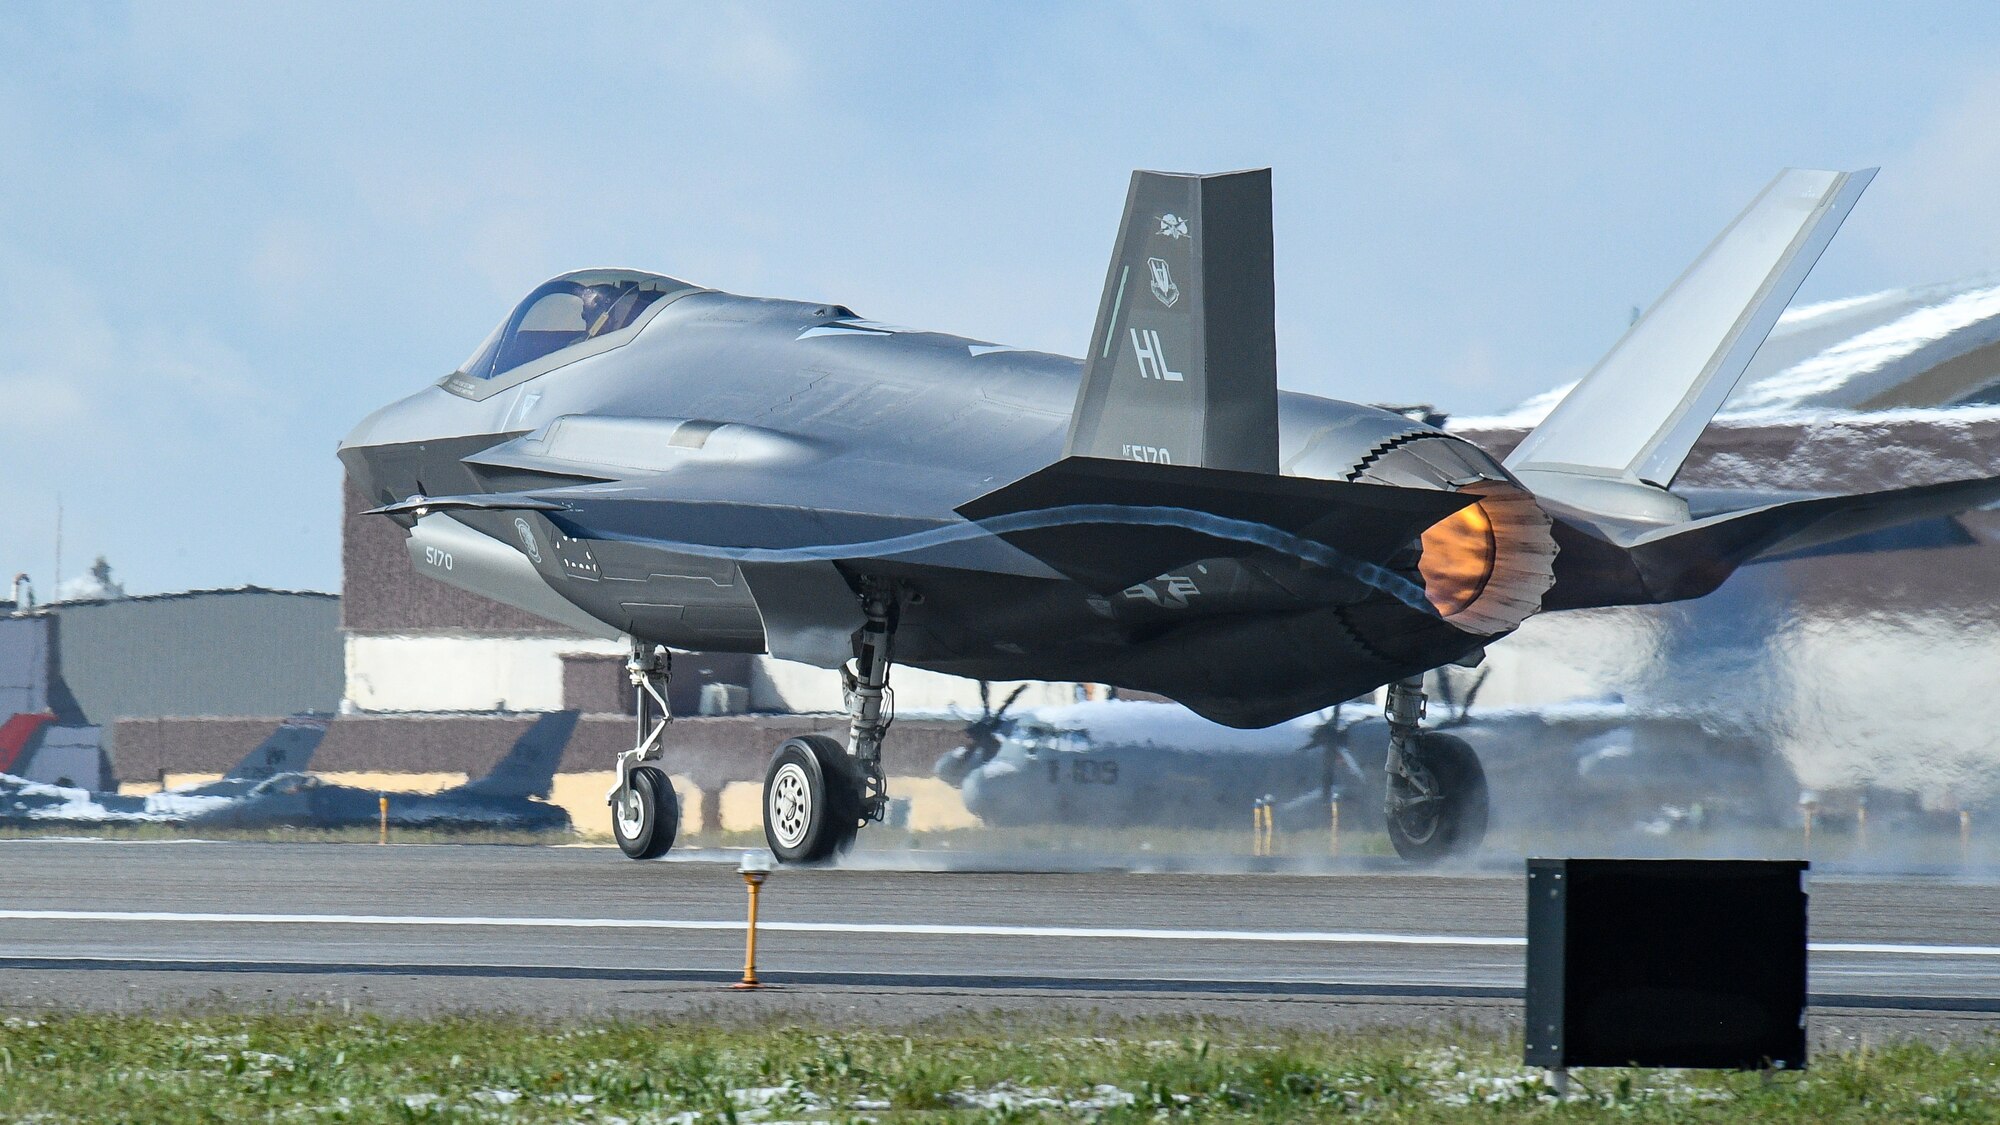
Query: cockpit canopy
point(572, 310)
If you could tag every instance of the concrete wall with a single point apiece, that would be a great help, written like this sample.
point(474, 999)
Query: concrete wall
point(463, 673)
point(786, 685)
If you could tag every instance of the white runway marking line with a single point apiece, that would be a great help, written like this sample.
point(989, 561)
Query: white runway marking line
point(1111, 933)
point(894, 928)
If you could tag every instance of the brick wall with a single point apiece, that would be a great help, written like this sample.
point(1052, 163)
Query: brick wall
point(714, 751)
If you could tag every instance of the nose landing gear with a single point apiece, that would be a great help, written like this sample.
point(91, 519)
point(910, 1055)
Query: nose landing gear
point(645, 810)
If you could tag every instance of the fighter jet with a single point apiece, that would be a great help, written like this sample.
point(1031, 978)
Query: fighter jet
point(511, 797)
point(269, 789)
point(27, 801)
point(638, 456)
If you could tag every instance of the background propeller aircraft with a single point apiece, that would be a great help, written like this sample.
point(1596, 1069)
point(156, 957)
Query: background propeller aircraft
point(638, 456)
point(1127, 764)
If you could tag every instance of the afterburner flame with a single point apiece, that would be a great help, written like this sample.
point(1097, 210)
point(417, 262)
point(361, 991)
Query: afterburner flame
point(1457, 559)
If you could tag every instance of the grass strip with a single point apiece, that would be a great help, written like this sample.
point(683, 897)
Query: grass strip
point(324, 1065)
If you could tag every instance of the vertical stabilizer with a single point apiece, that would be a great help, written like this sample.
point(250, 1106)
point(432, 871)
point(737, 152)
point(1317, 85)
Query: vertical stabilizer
point(1183, 366)
point(1636, 415)
point(288, 750)
point(528, 769)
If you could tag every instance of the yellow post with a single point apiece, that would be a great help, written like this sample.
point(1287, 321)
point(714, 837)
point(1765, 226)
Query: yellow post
point(384, 800)
point(753, 869)
point(1964, 838)
point(1334, 808)
point(1257, 826)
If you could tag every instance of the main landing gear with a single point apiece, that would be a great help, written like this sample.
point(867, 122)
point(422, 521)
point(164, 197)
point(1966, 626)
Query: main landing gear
point(1436, 799)
point(817, 795)
point(645, 810)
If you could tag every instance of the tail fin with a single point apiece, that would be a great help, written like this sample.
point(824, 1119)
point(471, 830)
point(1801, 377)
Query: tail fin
point(289, 749)
point(1632, 420)
point(1183, 365)
point(528, 769)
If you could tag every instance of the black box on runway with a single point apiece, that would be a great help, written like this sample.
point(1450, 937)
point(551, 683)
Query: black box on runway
point(1648, 962)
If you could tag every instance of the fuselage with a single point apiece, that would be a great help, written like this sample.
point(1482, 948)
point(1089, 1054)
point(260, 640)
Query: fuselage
point(842, 414)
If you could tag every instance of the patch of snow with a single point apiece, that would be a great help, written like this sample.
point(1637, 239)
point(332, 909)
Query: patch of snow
point(1527, 415)
point(1007, 1096)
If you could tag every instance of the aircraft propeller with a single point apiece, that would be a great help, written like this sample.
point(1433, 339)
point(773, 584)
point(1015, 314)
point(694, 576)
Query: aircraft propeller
point(982, 736)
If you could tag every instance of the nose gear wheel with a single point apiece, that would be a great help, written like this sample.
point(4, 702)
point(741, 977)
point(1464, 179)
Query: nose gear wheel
point(645, 810)
point(645, 814)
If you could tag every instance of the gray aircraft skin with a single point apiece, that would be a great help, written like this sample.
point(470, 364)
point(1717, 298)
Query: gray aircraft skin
point(638, 456)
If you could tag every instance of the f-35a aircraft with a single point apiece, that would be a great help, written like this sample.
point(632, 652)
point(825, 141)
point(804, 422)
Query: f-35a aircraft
point(639, 456)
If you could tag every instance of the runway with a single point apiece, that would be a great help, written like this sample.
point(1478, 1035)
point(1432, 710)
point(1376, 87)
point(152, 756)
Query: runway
point(567, 929)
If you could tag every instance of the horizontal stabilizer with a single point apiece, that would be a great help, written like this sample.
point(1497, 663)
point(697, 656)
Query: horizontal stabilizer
point(1120, 544)
point(1183, 362)
point(1691, 559)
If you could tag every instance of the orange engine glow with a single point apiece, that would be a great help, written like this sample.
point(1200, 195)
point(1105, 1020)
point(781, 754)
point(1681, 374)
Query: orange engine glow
point(1457, 558)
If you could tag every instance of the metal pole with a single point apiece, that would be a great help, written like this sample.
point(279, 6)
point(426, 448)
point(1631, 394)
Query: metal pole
point(753, 869)
point(1333, 808)
point(1964, 838)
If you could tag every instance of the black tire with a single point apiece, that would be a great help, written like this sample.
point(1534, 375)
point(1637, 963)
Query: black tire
point(812, 800)
point(1454, 823)
point(646, 814)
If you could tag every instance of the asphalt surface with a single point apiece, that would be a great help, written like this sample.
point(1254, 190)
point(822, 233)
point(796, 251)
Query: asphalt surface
point(561, 930)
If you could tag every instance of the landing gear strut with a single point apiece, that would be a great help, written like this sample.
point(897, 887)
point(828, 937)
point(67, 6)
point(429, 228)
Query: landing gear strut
point(1436, 801)
point(816, 797)
point(645, 810)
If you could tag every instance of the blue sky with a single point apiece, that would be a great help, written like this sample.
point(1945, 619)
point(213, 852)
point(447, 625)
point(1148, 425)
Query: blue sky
point(228, 232)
